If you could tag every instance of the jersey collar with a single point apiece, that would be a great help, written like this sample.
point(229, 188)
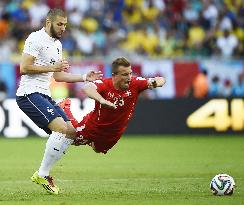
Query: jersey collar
point(119, 91)
point(47, 36)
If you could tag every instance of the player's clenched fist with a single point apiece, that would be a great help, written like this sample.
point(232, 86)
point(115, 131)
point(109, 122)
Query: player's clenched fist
point(62, 65)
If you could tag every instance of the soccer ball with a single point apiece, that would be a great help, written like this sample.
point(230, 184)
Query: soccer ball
point(222, 184)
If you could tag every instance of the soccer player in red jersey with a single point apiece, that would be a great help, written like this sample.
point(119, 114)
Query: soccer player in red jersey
point(115, 101)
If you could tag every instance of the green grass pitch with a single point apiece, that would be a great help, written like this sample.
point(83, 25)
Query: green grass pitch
point(138, 170)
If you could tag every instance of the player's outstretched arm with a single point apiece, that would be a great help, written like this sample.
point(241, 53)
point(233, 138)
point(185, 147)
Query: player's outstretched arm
point(27, 66)
point(73, 78)
point(156, 82)
point(91, 92)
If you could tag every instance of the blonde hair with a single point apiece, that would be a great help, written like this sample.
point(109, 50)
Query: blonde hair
point(119, 62)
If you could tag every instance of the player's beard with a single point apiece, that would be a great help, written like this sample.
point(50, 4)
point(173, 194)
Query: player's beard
point(54, 33)
point(124, 85)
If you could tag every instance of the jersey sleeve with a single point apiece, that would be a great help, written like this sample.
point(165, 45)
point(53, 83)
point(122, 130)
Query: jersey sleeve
point(141, 83)
point(99, 85)
point(31, 47)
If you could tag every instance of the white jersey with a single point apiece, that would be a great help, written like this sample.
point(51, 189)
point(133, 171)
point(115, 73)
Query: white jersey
point(47, 51)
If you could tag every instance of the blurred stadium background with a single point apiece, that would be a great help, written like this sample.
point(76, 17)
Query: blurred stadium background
point(198, 45)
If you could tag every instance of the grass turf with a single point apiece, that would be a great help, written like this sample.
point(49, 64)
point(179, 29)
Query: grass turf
point(165, 170)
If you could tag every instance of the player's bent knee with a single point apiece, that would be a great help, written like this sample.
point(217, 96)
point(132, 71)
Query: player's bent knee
point(58, 125)
point(62, 129)
point(71, 132)
point(94, 148)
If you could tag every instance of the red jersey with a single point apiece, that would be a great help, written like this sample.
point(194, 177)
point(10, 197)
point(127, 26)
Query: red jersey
point(106, 124)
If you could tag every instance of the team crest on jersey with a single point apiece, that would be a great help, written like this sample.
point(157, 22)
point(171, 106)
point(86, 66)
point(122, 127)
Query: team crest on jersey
point(128, 93)
point(52, 61)
point(111, 95)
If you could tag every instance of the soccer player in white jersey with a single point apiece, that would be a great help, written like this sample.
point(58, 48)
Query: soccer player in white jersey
point(41, 60)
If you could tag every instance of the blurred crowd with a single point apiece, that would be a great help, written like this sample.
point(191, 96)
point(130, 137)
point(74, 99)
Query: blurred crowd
point(151, 28)
point(155, 28)
point(203, 87)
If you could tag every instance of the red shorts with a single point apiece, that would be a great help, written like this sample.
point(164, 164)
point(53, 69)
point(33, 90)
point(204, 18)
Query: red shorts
point(99, 142)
